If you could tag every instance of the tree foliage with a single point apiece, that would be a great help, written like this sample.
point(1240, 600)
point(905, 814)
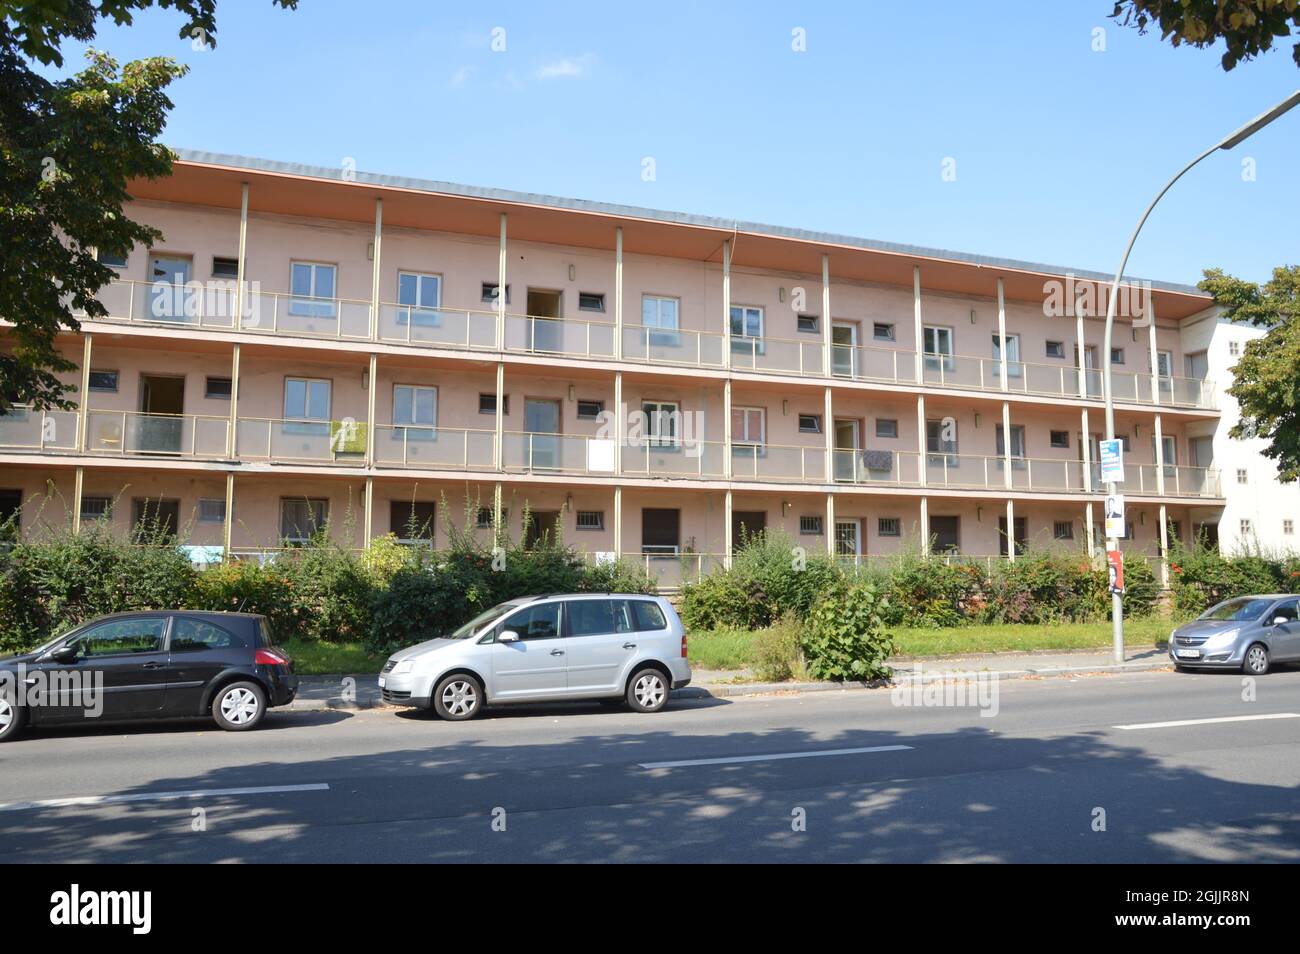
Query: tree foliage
point(68, 149)
point(1267, 377)
point(1247, 27)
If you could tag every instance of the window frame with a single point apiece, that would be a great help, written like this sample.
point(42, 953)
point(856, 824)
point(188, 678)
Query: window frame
point(312, 305)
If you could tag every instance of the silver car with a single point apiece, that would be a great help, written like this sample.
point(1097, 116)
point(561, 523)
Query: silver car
point(611, 647)
point(1249, 633)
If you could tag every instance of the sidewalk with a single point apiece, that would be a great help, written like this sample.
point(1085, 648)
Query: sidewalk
point(327, 692)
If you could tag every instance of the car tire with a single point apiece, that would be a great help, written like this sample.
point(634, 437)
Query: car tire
point(12, 718)
point(1255, 662)
point(647, 690)
point(239, 706)
point(458, 697)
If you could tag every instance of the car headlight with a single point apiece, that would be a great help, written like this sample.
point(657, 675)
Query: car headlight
point(406, 665)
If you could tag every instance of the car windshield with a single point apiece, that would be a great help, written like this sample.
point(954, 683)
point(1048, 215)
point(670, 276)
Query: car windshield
point(1241, 610)
point(483, 619)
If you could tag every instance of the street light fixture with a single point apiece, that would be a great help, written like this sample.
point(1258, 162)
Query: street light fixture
point(1228, 142)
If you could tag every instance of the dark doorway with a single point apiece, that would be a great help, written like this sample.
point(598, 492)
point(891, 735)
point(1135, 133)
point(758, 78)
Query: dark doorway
point(745, 526)
point(543, 334)
point(945, 532)
point(1022, 536)
point(154, 514)
point(660, 530)
point(542, 529)
point(11, 502)
point(158, 429)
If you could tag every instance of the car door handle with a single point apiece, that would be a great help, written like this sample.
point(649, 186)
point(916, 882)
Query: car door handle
point(629, 645)
point(151, 665)
point(557, 652)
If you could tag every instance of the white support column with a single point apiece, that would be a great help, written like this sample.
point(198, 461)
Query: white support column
point(232, 432)
point(1085, 449)
point(916, 323)
point(828, 425)
point(1160, 457)
point(920, 439)
point(501, 287)
point(1079, 347)
point(1011, 530)
point(499, 443)
point(1152, 353)
point(828, 351)
point(498, 531)
point(618, 522)
point(83, 410)
point(1164, 546)
point(925, 526)
point(228, 524)
point(78, 478)
point(1088, 535)
point(620, 418)
point(830, 525)
point(726, 431)
point(726, 304)
point(1002, 341)
point(372, 378)
point(1007, 480)
point(618, 292)
point(726, 530)
point(374, 271)
point(368, 525)
point(243, 250)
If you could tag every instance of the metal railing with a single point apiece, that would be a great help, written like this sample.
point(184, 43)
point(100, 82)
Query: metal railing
point(140, 434)
point(400, 445)
point(27, 429)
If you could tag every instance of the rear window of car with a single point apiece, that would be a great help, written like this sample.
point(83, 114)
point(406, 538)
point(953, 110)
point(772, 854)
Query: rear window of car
point(190, 634)
point(648, 615)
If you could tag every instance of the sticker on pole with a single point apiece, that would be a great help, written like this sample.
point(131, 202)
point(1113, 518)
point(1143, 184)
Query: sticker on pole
point(1115, 565)
point(1115, 525)
point(1112, 461)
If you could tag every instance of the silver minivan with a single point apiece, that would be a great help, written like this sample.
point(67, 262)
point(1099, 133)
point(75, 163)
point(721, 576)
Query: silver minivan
point(612, 647)
point(1249, 633)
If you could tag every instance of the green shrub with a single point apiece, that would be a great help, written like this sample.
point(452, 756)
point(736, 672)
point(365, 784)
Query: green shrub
point(1201, 576)
point(778, 651)
point(616, 576)
point(931, 591)
point(246, 586)
point(1040, 587)
point(845, 637)
point(722, 600)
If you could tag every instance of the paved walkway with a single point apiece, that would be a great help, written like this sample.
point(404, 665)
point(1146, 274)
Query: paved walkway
point(362, 691)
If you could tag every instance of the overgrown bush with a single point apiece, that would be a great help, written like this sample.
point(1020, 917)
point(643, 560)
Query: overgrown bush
point(1201, 576)
point(930, 591)
point(778, 651)
point(845, 637)
point(1040, 587)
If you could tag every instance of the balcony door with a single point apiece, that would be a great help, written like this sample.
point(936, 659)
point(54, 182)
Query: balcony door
point(545, 330)
point(170, 292)
point(158, 428)
point(542, 425)
point(844, 349)
point(848, 538)
point(543, 529)
point(745, 526)
point(1091, 373)
point(847, 444)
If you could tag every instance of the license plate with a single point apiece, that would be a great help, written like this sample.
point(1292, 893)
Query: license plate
point(382, 682)
point(1188, 653)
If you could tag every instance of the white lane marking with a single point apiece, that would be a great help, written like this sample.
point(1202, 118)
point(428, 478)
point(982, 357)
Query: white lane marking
point(1181, 722)
point(775, 756)
point(160, 796)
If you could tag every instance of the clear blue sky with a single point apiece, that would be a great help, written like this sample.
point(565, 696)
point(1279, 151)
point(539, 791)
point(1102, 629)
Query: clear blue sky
point(1057, 147)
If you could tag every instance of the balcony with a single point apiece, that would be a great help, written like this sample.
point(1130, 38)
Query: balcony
point(434, 448)
point(40, 432)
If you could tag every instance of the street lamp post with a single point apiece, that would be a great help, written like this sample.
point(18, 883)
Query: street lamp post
point(1245, 132)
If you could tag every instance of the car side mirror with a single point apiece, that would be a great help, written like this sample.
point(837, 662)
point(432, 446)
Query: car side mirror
point(1280, 620)
point(64, 654)
point(508, 636)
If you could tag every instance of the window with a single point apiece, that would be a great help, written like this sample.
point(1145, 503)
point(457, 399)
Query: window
point(111, 259)
point(538, 621)
point(1116, 355)
point(590, 410)
point(1020, 528)
point(661, 315)
point(1170, 453)
point(1056, 349)
point(487, 404)
point(1242, 475)
point(937, 344)
point(647, 615)
point(748, 425)
point(889, 527)
point(810, 526)
point(591, 301)
point(1017, 440)
point(313, 286)
point(886, 427)
point(661, 530)
point(96, 508)
point(306, 399)
point(881, 331)
point(420, 295)
point(225, 267)
point(11, 505)
point(218, 388)
point(1245, 528)
point(661, 419)
point(810, 423)
point(808, 323)
point(483, 519)
point(412, 520)
point(746, 323)
point(941, 442)
point(301, 517)
point(1234, 348)
point(103, 380)
point(489, 293)
point(1063, 530)
point(121, 637)
point(212, 510)
point(598, 617)
point(1288, 527)
point(1013, 356)
point(415, 410)
point(189, 635)
point(590, 520)
point(1060, 438)
point(1164, 365)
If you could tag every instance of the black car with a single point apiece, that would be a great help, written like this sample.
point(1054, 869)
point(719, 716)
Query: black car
point(151, 665)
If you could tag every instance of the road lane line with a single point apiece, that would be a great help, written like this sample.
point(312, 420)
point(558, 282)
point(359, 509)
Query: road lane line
point(82, 800)
point(777, 756)
point(1182, 722)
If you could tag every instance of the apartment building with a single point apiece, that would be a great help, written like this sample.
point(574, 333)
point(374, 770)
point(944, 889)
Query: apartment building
point(1260, 513)
point(309, 347)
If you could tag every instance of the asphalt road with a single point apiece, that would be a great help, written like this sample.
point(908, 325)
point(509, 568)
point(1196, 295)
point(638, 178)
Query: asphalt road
point(582, 783)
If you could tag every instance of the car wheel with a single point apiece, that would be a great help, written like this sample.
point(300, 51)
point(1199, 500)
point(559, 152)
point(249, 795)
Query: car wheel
point(239, 706)
point(458, 697)
point(647, 690)
point(11, 720)
point(1256, 661)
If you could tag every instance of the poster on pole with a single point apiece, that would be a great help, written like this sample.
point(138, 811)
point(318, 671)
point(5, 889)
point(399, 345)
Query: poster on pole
point(1112, 461)
point(1115, 565)
point(1115, 523)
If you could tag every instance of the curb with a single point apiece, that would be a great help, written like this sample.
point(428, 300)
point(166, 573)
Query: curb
point(732, 690)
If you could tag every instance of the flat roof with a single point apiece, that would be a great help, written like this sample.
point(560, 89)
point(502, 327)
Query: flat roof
point(214, 179)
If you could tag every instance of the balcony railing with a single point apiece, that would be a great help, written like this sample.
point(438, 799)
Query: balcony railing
point(137, 434)
point(26, 429)
point(434, 448)
point(213, 306)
